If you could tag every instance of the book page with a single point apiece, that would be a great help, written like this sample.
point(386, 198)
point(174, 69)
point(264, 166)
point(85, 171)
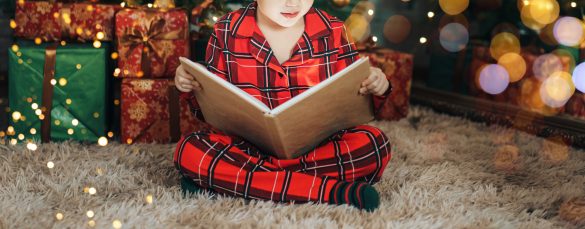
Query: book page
point(321, 111)
point(227, 107)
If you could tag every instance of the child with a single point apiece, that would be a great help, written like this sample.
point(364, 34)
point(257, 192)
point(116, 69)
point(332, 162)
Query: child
point(275, 50)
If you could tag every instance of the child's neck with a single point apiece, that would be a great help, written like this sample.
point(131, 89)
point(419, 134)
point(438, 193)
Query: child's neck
point(266, 24)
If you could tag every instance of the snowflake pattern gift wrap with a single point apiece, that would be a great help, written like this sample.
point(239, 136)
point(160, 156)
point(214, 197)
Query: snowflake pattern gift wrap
point(149, 110)
point(59, 21)
point(150, 42)
point(398, 69)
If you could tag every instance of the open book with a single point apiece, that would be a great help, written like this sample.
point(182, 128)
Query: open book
point(294, 127)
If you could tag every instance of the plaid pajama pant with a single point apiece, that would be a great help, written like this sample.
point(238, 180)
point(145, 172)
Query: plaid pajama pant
point(233, 166)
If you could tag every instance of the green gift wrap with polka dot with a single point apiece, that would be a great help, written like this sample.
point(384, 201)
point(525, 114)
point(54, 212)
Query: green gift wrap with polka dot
point(79, 87)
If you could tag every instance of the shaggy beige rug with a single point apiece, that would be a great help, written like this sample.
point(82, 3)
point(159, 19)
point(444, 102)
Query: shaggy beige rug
point(446, 172)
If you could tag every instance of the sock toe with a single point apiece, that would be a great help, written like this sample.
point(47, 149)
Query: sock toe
point(370, 197)
point(188, 186)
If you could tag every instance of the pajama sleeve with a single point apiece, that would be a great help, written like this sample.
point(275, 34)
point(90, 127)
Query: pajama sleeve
point(346, 56)
point(214, 61)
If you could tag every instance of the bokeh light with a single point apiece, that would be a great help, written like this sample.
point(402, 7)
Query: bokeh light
point(545, 65)
point(454, 37)
point(493, 79)
point(507, 158)
point(554, 150)
point(59, 216)
point(117, 224)
point(102, 141)
point(358, 27)
point(430, 14)
point(397, 28)
point(514, 65)
point(579, 77)
point(365, 9)
point(504, 43)
point(31, 146)
point(453, 7)
point(568, 31)
point(543, 11)
point(149, 199)
point(557, 89)
point(527, 18)
point(566, 57)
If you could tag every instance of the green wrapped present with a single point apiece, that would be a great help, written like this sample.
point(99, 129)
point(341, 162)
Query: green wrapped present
point(71, 80)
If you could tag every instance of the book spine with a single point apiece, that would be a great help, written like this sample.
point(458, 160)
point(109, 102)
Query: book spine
point(275, 135)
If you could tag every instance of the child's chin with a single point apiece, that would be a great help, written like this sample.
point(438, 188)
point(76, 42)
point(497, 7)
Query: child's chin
point(286, 23)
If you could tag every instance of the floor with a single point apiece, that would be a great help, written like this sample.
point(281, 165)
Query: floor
point(446, 172)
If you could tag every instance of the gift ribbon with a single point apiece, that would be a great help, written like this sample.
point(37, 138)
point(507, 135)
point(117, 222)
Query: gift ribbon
point(47, 100)
point(146, 38)
point(174, 112)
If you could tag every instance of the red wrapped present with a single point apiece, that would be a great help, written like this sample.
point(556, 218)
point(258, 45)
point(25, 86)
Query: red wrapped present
point(150, 41)
point(61, 21)
point(398, 69)
point(152, 112)
point(576, 105)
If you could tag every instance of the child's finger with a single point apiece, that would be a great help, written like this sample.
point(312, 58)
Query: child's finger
point(373, 85)
point(183, 89)
point(363, 90)
point(185, 74)
point(187, 86)
point(184, 81)
point(195, 83)
point(369, 80)
point(378, 90)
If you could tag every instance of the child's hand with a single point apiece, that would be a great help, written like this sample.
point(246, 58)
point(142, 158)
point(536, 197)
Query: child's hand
point(375, 84)
point(186, 82)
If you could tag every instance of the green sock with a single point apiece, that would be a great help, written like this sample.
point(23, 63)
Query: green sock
point(357, 194)
point(189, 187)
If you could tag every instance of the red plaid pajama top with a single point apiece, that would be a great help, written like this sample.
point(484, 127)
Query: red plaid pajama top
point(239, 53)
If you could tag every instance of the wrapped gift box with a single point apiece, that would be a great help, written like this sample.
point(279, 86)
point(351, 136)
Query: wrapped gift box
point(398, 69)
point(60, 21)
point(576, 105)
point(150, 42)
point(78, 87)
point(153, 112)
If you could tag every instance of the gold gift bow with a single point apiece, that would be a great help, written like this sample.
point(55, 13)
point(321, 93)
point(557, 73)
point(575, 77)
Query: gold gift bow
point(134, 37)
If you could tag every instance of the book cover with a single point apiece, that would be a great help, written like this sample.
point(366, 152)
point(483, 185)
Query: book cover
point(294, 127)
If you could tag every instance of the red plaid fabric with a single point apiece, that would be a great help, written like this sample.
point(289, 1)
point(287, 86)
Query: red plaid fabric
point(233, 166)
point(239, 53)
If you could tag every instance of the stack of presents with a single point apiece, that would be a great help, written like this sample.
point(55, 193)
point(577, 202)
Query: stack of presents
point(86, 71)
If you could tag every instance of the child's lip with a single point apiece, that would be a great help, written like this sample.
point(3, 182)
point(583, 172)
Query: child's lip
point(290, 15)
